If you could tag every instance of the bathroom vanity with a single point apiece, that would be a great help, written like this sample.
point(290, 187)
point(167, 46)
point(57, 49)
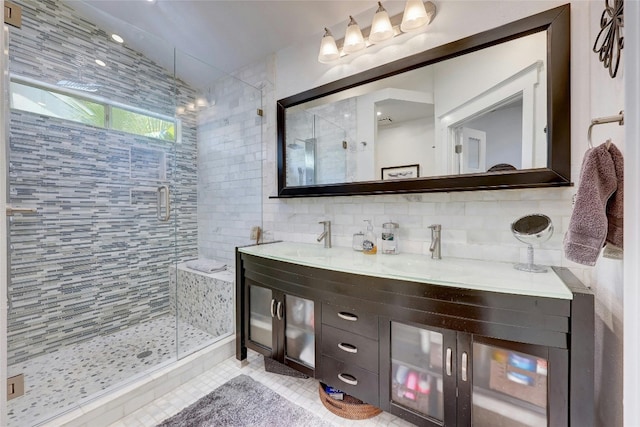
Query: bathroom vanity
point(449, 342)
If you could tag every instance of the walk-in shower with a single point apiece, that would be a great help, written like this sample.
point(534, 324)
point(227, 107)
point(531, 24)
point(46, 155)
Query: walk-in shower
point(121, 176)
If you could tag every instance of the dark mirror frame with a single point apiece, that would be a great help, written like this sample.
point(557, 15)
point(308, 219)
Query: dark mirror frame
point(555, 22)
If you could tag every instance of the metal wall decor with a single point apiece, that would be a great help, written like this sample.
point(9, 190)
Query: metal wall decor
point(609, 41)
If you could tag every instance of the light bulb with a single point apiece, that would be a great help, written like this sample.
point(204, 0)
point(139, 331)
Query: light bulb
point(414, 17)
point(328, 48)
point(353, 40)
point(381, 28)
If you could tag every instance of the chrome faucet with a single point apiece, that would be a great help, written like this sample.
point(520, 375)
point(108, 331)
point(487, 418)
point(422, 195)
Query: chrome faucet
point(326, 234)
point(435, 241)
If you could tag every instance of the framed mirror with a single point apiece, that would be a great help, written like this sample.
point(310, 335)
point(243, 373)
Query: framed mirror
point(490, 111)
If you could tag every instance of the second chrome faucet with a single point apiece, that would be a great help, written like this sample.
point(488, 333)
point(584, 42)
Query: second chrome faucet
point(326, 234)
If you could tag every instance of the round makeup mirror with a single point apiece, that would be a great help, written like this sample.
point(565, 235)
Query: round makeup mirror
point(530, 229)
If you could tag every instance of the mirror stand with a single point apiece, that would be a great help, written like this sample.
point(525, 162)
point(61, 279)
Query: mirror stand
point(530, 266)
point(530, 229)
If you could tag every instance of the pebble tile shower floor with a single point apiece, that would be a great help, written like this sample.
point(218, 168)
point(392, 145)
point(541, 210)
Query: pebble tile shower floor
point(302, 392)
point(68, 377)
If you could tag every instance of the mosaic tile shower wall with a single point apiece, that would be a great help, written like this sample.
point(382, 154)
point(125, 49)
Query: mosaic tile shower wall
point(95, 259)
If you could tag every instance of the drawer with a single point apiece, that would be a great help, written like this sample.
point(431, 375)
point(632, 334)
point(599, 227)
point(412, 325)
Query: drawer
point(351, 348)
point(350, 319)
point(351, 379)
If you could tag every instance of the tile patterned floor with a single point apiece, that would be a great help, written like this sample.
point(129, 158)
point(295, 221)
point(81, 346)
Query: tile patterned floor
point(303, 392)
point(69, 377)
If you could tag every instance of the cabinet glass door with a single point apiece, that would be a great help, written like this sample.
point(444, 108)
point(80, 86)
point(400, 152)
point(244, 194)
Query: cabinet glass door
point(260, 320)
point(417, 369)
point(509, 388)
point(299, 332)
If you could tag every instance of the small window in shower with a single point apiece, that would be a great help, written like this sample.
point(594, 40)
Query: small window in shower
point(49, 103)
point(64, 102)
point(142, 124)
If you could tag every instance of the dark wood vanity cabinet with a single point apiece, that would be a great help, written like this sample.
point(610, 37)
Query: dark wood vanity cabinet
point(279, 324)
point(433, 355)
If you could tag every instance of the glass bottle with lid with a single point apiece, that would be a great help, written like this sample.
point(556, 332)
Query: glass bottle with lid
point(390, 238)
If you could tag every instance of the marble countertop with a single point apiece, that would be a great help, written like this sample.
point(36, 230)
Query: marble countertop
point(457, 272)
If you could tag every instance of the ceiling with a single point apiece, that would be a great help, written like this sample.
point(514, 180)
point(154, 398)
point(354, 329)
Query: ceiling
point(226, 34)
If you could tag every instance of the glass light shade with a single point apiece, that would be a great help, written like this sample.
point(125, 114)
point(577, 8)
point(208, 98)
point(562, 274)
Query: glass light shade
point(328, 49)
point(381, 28)
point(353, 40)
point(414, 17)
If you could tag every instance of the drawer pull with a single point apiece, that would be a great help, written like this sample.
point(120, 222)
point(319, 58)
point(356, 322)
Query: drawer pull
point(347, 316)
point(447, 361)
point(347, 347)
point(465, 362)
point(349, 379)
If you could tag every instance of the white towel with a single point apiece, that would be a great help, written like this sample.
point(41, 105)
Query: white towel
point(206, 265)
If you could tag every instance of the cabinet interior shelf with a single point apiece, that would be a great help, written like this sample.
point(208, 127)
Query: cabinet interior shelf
point(490, 399)
point(436, 372)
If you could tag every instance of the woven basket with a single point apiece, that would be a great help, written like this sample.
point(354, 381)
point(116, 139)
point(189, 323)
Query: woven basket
point(350, 407)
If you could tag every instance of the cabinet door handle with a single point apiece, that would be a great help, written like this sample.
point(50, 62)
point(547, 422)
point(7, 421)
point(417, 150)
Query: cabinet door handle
point(273, 307)
point(347, 316)
point(464, 365)
point(447, 361)
point(349, 379)
point(279, 310)
point(347, 347)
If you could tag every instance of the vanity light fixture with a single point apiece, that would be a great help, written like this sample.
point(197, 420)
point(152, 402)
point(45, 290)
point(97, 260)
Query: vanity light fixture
point(415, 17)
point(328, 49)
point(381, 28)
point(353, 40)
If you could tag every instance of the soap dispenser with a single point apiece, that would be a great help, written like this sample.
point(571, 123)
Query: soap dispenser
point(369, 242)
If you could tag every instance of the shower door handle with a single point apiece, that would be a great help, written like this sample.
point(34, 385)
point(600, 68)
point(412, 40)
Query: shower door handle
point(11, 211)
point(163, 202)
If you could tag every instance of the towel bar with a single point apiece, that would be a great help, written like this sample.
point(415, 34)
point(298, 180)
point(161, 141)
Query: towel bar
point(602, 120)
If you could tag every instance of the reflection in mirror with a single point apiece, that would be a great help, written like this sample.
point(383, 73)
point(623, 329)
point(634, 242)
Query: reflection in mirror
point(315, 149)
point(485, 112)
point(459, 116)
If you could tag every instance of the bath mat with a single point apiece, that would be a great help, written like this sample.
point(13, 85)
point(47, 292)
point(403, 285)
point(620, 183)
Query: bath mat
point(276, 367)
point(241, 402)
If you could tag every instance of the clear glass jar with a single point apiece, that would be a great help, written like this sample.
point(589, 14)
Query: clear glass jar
point(390, 238)
point(358, 238)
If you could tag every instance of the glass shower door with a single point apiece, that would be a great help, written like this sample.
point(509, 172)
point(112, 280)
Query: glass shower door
point(92, 150)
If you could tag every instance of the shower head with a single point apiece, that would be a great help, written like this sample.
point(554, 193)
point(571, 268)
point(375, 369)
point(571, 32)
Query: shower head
point(85, 87)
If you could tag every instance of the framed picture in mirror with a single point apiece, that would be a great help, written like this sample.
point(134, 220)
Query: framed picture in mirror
point(401, 172)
